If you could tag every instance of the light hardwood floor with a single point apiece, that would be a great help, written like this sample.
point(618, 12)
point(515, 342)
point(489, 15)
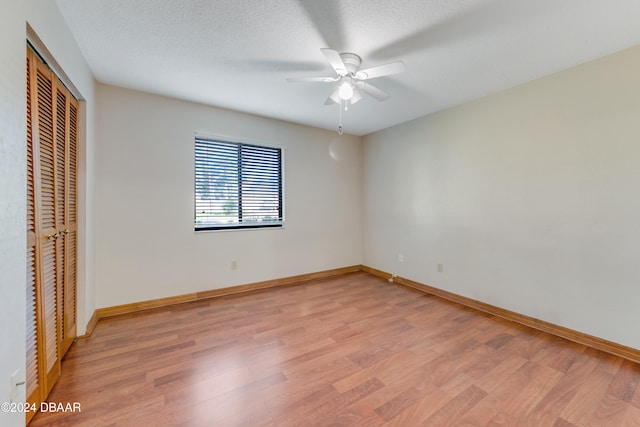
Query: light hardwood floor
point(351, 350)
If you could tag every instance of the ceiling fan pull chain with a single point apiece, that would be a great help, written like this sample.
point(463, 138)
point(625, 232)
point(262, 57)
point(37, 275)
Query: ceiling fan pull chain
point(340, 124)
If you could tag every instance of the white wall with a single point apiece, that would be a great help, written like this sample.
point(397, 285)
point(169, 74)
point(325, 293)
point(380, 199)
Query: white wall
point(146, 245)
point(13, 156)
point(529, 199)
point(50, 28)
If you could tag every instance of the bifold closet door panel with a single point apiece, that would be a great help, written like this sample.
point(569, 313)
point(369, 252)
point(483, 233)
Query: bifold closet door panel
point(46, 231)
point(66, 113)
point(69, 324)
point(33, 375)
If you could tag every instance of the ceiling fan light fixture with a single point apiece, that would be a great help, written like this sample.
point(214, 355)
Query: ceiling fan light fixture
point(346, 90)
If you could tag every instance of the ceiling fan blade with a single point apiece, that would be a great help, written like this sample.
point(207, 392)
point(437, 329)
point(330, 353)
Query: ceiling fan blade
point(381, 70)
point(373, 91)
point(336, 62)
point(311, 79)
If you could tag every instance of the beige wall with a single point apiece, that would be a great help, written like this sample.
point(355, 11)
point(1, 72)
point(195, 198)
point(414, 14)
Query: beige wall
point(12, 201)
point(146, 245)
point(529, 198)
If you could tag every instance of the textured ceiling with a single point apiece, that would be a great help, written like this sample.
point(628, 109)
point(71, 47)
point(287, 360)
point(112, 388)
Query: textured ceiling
point(237, 54)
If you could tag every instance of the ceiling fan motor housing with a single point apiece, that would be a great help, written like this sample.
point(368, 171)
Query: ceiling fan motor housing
point(351, 62)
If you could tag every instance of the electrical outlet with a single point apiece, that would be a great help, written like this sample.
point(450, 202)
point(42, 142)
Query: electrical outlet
point(234, 265)
point(440, 268)
point(400, 257)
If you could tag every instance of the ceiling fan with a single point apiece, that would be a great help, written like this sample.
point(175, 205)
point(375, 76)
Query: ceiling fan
point(351, 80)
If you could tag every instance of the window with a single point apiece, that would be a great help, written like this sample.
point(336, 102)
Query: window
point(237, 185)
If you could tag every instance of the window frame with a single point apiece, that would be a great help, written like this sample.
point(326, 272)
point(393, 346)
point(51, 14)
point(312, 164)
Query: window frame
point(238, 224)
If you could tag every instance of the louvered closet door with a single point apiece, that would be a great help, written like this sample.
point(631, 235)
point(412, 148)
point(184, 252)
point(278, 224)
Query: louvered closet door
point(52, 131)
point(66, 113)
point(44, 146)
point(71, 231)
point(33, 373)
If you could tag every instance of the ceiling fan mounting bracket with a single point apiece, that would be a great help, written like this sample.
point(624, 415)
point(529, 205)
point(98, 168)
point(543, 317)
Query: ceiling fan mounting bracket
point(351, 61)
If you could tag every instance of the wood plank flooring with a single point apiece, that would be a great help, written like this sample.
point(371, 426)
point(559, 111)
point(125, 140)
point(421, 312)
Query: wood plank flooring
point(351, 350)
